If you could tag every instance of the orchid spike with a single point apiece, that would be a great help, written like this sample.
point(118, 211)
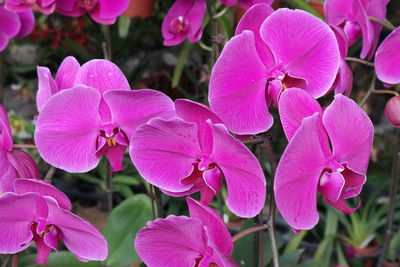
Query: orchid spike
point(328, 152)
point(193, 153)
point(14, 25)
point(387, 58)
point(40, 213)
point(102, 11)
point(272, 51)
point(245, 4)
point(96, 117)
point(45, 6)
point(184, 20)
point(13, 162)
point(201, 240)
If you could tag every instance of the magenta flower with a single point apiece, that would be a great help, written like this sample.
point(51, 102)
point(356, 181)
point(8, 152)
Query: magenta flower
point(201, 240)
point(387, 59)
point(102, 11)
point(45, 6)
point(40, 213)
point(14, 25)
point(65, 79)
point(271, 51)
point(183, 20)
point(392, 111)
point(352, 17)
point(245, 4)
point(96, 117)
point(328, 152)
point(13, 162)
point(192, 153)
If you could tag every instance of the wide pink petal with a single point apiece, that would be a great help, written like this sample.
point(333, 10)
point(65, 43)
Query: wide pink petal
point(387, 59)
point(110, 9)
point(243, 174)
point(174, 241)
point(10, 24)
point(295, 105)
point(27, 20)
point(102, 75)
point(304, 47)
point(67, 73)
point(8, 173)
point(351, 133)
point(78, 235)
point(6, 138)
point(130, 109)
point(214, 223)
point(44, 188)
point(47, 87)
point(164, 151)
point(376, 9)
point(237, 87)
point(252, 21)
point(23, 163)
point(298, 174)
point(67, 129)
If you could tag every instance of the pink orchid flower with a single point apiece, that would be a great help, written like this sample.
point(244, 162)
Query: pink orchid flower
point(95, 117)
point(180, 241)
point(13, 162)
point(102, 11)
point(351, 16)
point(39, 212)
point(392, 111)
point(65, 79)
point(387, 59)
point(14, 25)
point(245, 4)
point(271, 51)
point(192, 153)
point(45, 6)
point(183, 20)
point(328, 152)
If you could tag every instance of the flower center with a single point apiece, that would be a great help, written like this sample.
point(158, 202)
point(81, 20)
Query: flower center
point(110, 137)
point(88, 5)
point(179, 25)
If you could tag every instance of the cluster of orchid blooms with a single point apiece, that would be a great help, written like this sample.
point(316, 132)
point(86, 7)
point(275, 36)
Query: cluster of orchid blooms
point(284, 58)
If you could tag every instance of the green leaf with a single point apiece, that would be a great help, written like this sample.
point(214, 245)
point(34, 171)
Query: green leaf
point(121, 228)
point(126, 179)
point(295, 241)
point(66, 259)
point(183, 55)
point(124, 23)
point(290, 258)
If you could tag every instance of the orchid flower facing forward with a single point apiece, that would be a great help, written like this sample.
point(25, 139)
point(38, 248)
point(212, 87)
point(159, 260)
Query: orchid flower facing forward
point(180, 241)
point(245, 4)
point(45, 6)
point(96, 117)
point(351, 16)
point(65, 79)
point(14, 25)
point(271, 51)
point(387, 59)
point(192, 153)
point(40, 213)
point(183, 20)
point(13, 162)
point(328, 152)
point(102, 11)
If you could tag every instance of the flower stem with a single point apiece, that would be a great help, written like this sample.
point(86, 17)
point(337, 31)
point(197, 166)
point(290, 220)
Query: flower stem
point(50, 173)
point(390, 92)
point(5, 262)
point(369, 92)
point(15, 260)
point(394, 184)
point(385, 23)
point(248, 231)
point(260, 237)
point(109, 187)
point(359, 60)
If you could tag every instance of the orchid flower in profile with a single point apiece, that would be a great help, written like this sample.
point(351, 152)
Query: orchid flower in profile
point(352, 17)
point(245, 4)
point(65, 79)
point(387, 59)
point(193, 153)
point(392, 111)
point(102, 11)
point(183, 20)
point(14, 25)
point(179, 241)
point(45, 6)
point(328, 152)
point(13, 162)
point(96, 117)
point(272, 51)
point(39, 212)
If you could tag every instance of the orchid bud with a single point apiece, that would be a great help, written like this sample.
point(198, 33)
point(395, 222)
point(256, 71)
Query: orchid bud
point(392, 111)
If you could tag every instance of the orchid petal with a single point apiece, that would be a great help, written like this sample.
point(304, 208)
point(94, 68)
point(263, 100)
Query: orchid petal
point(344, 82)
point(47, 87)
point(67, 73)
point(8, 173)
point(10, 24)
point(354, 183)
point(331, 185)
point(27, 23)
point(115, 155)
point(6, 139)
point(376, 9)
point(110, 9)
point(237, 87)
point(23, 163)
point(387, 59)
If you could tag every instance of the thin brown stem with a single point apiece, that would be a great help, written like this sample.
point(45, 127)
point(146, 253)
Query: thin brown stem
point(260, 237)
point(50, 173)
point(253, 141)
point(394, 184)
point(5, 262)
point(160, 210)
point(248, 231)
point(153, 209)
point(27, 146)
point(15, 260)
point(369, 92)
point(389, 92)
point(109, 187)
point(385, 23)
point(359, 60)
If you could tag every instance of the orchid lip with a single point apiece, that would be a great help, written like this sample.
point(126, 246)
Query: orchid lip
point(88, 5)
